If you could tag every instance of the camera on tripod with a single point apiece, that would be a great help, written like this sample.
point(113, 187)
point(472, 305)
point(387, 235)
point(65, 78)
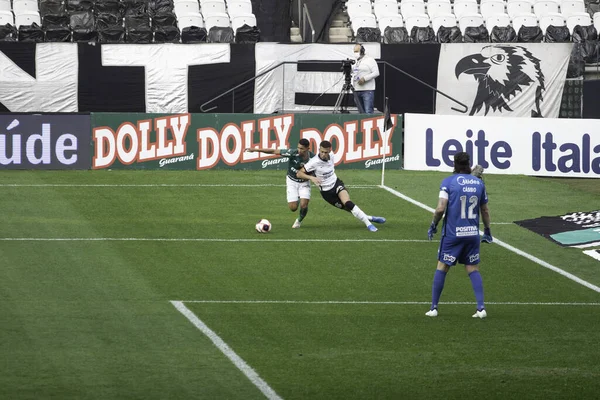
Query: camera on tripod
point(347, 68)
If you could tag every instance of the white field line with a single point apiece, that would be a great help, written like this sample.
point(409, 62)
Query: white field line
point(262, 240)
point(508, 246)
point(229, 353)
point(334, 302)
point(158, 185)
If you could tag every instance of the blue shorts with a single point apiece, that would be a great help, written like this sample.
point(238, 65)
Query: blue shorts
point(462, 250)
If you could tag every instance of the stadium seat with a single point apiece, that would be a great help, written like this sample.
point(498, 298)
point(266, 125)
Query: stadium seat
point(412, 7)
point(555, 19)
point(6, 17)
point(437, 7)
point(597, 21)
point(571, 7)
point(219, 20)
point(421, 20)
point(23, 6)
point(518, 7)
point(27, 18)
point(5, 5)
point(447, 20)
point(240, 20)
point(191, 19)
point(500, 20)
point(462, 7)
point(186, 7)
point(238, 8)
point(544, 7)
point(470, 20)
point(363, 21)
point(213, 7)
point(358, 8)
point(395, 21)
point(385, 8)
point(524, 20)
point(490, 8)
point(582, 19)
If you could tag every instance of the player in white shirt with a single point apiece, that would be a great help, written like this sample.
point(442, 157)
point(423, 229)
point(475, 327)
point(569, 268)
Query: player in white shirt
point(321, 171)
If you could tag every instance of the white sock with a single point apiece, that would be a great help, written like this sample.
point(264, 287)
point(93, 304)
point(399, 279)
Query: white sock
point(360, 214)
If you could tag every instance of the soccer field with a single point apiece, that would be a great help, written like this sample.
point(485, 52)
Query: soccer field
point(155, 285)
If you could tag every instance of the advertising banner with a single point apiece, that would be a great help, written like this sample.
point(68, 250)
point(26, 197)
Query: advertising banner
point(523, 146)
point(44, 141)
point(206, 141)
point(574, 229)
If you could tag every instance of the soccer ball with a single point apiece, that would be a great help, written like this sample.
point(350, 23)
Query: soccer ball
point(263, 226)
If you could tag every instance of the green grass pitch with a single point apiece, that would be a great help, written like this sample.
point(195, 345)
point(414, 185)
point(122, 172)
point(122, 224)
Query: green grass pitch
point(93, 263)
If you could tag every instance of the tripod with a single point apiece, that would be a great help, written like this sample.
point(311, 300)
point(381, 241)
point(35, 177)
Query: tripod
point(340, 103)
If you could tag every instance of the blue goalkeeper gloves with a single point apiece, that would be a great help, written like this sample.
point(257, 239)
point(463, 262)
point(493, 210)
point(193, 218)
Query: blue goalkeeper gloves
point(487, 236)
point(432, 230)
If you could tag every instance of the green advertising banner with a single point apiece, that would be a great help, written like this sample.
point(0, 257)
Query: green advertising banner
point(206, 141)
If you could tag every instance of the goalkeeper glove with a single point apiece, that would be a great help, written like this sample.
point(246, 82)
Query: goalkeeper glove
point(477, 171)
point(432, 230)
point(487, 236)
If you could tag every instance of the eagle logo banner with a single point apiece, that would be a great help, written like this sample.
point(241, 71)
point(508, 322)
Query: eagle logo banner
point(512, 80)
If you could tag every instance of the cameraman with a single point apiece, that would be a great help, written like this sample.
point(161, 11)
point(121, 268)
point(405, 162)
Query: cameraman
point(364, 73)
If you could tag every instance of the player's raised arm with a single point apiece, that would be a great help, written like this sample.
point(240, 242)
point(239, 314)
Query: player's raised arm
point(267, 151)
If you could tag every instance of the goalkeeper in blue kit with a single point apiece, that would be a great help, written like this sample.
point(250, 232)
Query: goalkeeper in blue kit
point(462, 200)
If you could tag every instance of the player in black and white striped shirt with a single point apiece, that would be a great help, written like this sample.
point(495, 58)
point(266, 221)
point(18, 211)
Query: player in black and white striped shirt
point(331, 187)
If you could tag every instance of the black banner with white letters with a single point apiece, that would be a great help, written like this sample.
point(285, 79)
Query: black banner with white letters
point(45, 141)
point(181, 78)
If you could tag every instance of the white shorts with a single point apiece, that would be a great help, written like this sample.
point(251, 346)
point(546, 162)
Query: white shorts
point(296, 190)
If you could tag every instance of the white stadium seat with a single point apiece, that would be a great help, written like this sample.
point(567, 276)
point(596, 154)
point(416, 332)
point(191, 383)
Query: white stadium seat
point(555, 19)
point(518, 7)
point(187, 7)
point(213, 7)
point(467, 20)
point(572, 7)
point(385, 8)
point(395, 21)
point(192, 19)
point(241, 20)
point(412, 7)
point(465, 7)
point(23, 6)
point(363, 21)
point(358, 8)
point(238, 8)
point(421, 20)
point(5, 5)
point(524, 20)
point(218, 19)
point(544, 7)
point(437, 7)
point(6, 17)
point(447, 20)
point(501, 20)
point(490, 8)
point(27, 18)
point(582, 19)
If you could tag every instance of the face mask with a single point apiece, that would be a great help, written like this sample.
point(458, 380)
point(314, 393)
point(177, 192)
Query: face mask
point(356, 54)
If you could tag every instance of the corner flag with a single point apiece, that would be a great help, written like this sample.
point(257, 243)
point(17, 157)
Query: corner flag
point(387, 119)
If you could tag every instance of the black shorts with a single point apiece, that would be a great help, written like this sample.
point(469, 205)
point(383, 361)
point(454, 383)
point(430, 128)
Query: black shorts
point(331, 195)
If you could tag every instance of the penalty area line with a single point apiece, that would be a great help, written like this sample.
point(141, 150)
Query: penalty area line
point(228, 352)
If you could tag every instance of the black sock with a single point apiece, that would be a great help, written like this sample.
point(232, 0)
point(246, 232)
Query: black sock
point(303, 212)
